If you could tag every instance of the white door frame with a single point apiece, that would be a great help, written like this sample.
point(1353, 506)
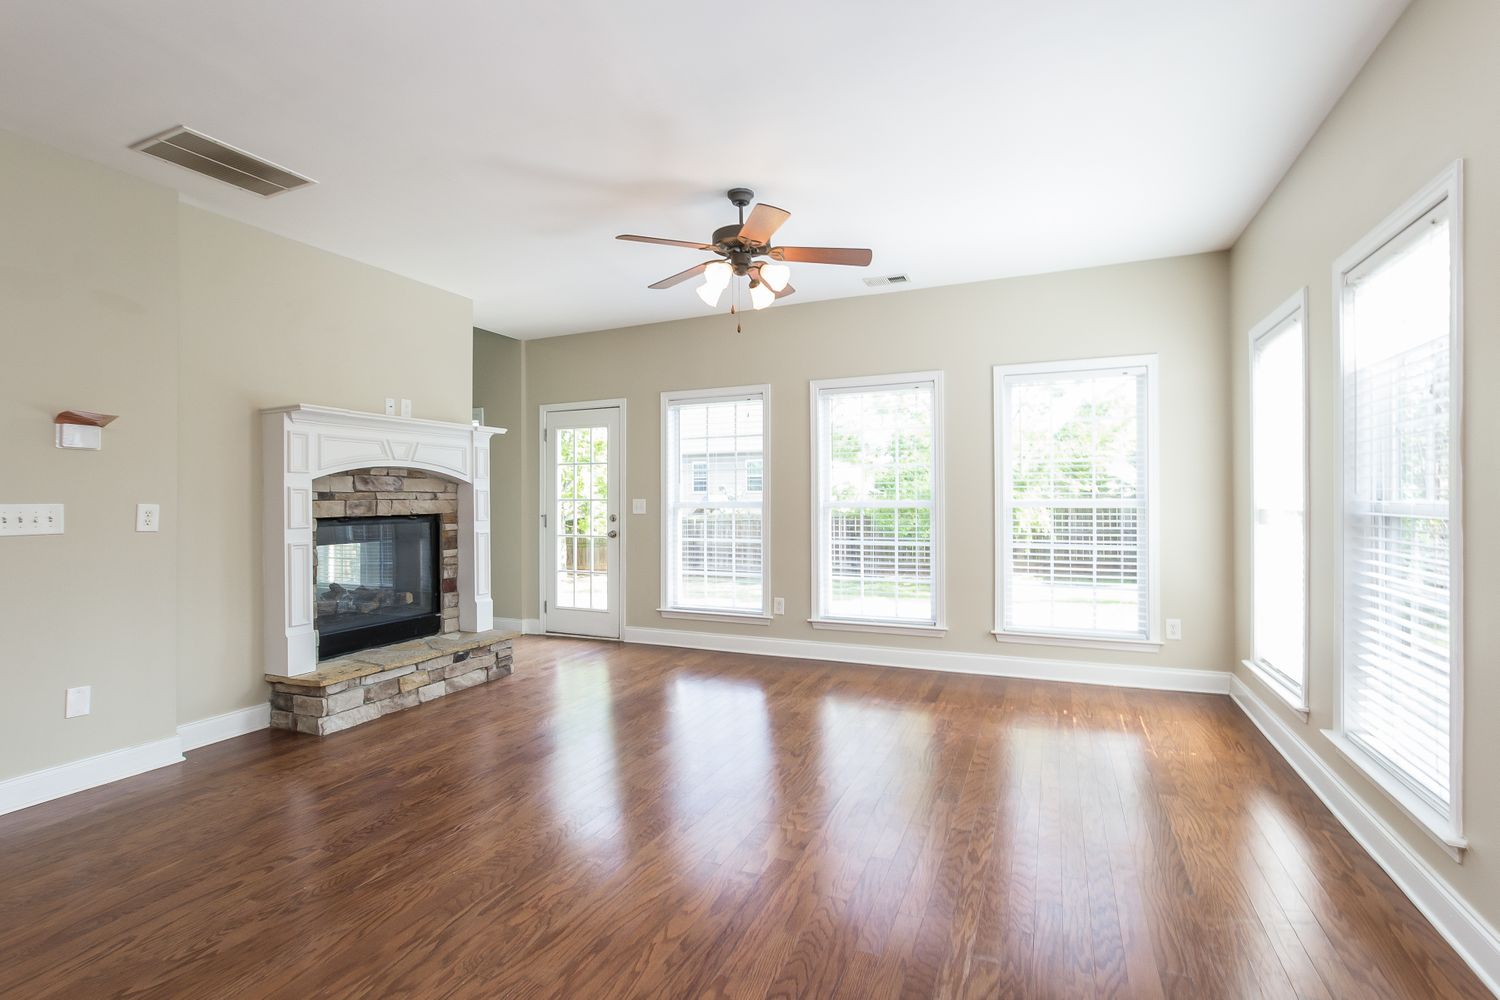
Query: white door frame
point(544, 498)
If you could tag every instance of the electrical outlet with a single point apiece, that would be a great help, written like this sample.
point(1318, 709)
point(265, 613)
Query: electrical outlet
point(78, 702)
point(31, 519)
point(148, 517)
point(390, 406)
point(406, 407)
point(1174, 628)
point(778, 605)
point(637, 506)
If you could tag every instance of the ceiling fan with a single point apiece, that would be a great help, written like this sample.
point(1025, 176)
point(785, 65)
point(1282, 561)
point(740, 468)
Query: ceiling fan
point(741, 248)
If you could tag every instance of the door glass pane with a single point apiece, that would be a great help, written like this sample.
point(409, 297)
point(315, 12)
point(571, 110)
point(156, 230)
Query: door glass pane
point(582, 523)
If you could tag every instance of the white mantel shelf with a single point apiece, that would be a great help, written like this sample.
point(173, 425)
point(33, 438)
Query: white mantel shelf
point(304, 442)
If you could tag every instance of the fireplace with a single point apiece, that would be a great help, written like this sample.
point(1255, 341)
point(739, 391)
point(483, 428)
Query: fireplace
point(377, 580)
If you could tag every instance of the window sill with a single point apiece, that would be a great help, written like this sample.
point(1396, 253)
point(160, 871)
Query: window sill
point(835, 625)
point(1432, 822)
point(1274, 684)
point(1080, 641)
point(715, 616)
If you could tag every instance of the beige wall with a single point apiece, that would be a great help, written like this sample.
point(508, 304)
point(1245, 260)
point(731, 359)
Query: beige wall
point(1429, 95)
point(1177, 309)
point(115, 297)
point(88, 320)
point(266, 322)
point(500, 387)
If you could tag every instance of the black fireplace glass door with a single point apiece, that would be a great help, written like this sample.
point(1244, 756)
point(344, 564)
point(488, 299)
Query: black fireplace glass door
point(376, 581)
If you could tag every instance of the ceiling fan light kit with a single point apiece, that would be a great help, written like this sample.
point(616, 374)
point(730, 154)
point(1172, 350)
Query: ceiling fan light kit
point(743, 249)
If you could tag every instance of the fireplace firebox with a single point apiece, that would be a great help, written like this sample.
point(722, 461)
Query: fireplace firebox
point(376, 581)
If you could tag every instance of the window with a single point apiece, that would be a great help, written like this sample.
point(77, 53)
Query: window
point(713, 471)
point(1399, 338)
point(877, 445)
point(1278, 487)
point(755, 477)
point(1074, 458)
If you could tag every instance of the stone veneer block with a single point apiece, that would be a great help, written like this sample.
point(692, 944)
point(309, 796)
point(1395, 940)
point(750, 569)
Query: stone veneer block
point(351, 690)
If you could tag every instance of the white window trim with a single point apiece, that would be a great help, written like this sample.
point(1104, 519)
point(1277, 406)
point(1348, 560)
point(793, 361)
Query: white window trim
point(665, 609)
point(1296, 306)
point(938, 627)
point(1447, 830)
point(1153, 641)
point(1080, 642)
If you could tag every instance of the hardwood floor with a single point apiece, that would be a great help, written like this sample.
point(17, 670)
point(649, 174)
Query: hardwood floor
point(631, 821)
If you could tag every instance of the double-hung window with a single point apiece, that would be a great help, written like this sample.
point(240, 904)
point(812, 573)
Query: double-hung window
point(1075, 489)
point(1278, 488)
point(714, 478)
point(1399, 707)
point(877, 481)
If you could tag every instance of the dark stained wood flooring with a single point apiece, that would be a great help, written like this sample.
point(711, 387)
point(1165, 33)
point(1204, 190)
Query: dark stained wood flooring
point(630, 821)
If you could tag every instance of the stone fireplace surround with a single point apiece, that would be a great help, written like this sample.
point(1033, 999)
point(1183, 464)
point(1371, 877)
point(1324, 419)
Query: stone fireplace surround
point(325, 462)
point(381, 492)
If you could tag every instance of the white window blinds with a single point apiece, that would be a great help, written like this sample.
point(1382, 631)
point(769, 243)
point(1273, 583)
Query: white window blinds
point(1278, 431)
point(1074, 499)
point(876, 469)
point(1398, 339)
point(714, 558)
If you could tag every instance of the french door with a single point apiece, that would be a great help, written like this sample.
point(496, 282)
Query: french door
point(581, 569)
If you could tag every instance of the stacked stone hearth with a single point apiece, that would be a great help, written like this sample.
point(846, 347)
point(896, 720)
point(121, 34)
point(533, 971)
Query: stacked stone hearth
point(383, 492)
point(347, 691)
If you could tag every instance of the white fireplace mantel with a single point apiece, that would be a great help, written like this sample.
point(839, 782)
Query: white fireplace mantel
point(304, 442)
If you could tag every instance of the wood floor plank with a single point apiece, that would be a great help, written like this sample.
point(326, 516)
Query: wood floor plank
point(630, 821)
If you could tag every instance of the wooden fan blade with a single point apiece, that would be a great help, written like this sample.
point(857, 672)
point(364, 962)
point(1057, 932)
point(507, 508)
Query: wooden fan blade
point(681, 276)
point(762, 225)
point(665, 243)
point(823, 255)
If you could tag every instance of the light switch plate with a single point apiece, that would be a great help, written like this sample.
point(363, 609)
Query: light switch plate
point(148, 517)
point(78, 702)
point(406, 407)
point(31, 519)
point(1174, 628)
point(778, 605)
point(637, 506)
point(390, 406)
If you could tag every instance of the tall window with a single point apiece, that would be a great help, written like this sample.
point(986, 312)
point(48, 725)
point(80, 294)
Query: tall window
point(1075, 494)
point(1399, 339)
point(1278, 474)
point(714, 451)
point(876, 459)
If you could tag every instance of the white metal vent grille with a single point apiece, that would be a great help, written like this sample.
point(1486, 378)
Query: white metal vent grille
point(212, 158)
point(889, 279)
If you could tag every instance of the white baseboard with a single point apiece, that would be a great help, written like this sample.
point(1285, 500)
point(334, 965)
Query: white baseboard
point(526, 626)
point(75, 776)
point(224, 727)
point(1476, 942)
point(990, 664)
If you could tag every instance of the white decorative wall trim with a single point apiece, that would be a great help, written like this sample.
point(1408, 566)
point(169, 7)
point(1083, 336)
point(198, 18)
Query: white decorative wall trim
point(304, 442)
point(1476, 942)
point(989, 664)
point(90, 772)
point(224, 727)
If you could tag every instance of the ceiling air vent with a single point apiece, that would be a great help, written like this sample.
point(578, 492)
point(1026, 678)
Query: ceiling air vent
point(890, 279)
point(212, 158)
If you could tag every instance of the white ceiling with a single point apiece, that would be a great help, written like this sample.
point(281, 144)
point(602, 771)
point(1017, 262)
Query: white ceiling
point(495, 148)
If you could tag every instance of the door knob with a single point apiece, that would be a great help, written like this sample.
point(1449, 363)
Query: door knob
point(613, 533)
